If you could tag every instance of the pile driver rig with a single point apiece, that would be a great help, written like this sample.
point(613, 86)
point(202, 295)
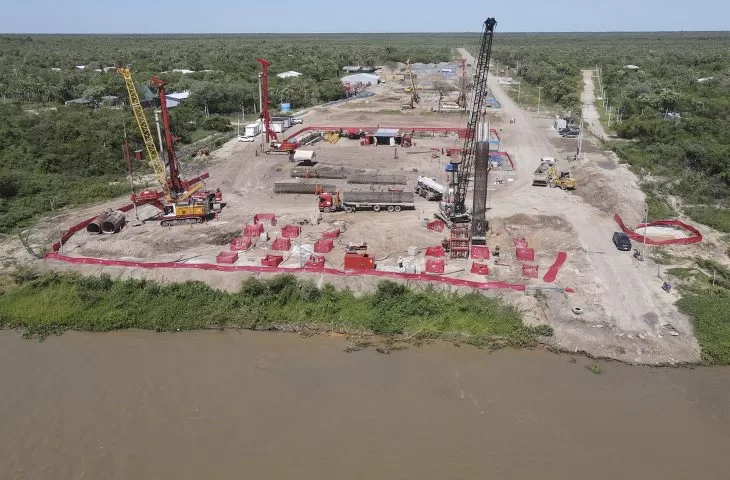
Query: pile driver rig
point(474, 158)
point(180, 201)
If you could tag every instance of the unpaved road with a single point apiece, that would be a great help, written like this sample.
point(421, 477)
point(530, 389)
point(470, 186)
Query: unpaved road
point(588, 102)
point(620, 296)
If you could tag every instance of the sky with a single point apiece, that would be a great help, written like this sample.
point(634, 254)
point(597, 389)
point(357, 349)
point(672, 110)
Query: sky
point(327, 16)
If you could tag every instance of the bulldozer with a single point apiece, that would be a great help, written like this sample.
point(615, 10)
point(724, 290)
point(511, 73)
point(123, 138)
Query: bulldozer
point(560, 179)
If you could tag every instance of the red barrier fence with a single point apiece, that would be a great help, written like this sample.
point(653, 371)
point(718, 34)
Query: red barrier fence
point(480, 268)
point(226, 257)
point(281, 244)
point(253, 230)
point(521, 243)
point(529, 271)
point(695, 236)
point(525, 254)
point(324, 245)
point(268, 217)
point(435, 265)
point(436, 225)
point(480, 252)
point(332, 233)
point(271, 260)
point(315, 261)
point(461, 132)
point(435, 251)
point(241, 243)
point(552, 272)
point(290, 231)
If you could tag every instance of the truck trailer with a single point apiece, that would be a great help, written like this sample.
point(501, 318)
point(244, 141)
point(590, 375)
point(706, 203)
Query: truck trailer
point(375, 201)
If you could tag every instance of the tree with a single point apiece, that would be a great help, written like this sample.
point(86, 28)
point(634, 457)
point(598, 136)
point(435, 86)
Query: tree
point(442, 88)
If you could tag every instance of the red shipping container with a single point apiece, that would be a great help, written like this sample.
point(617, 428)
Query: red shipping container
point(480, 268)
point(239, 243)
point(290, 231)
point(435, 265)
point(529, 271)
point(281, 244)
point(435, 251)
point(324, 245)
point(315, 261)
point(268, 217)
point(480, 252)
point(253, 230)
point(526, 254)
point(272, 260)
point(226, 257)
point(332, 233)
point(359, 261)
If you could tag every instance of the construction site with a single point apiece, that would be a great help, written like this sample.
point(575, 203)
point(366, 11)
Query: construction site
point(451, 187)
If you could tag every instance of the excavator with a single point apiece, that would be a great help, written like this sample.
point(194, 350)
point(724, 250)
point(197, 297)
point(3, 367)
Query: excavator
point(180, 202)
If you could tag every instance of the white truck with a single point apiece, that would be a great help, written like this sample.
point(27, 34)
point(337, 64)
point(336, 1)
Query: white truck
point(429, 188)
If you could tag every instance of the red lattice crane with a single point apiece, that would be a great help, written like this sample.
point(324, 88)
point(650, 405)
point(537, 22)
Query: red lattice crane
point(265, 115)
point(176, 184)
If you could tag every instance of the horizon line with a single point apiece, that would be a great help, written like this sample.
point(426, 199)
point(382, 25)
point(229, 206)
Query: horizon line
point(363, 33)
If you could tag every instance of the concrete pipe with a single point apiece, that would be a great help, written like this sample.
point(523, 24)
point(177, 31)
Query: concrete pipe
point(114, 222)
point(96, 224)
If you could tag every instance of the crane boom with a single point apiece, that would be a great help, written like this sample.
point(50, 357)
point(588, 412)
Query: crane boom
point(158, 165)
point(176, 183)
point(464, 171)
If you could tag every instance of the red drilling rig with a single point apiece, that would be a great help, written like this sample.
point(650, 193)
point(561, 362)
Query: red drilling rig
point(265, 116)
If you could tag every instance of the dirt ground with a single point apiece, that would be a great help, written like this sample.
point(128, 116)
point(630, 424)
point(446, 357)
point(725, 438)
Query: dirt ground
point(626, 315)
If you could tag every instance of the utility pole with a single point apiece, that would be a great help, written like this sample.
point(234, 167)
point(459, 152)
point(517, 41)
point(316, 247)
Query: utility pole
point(261, 109)
point(580, 139)
point(646, 220)
point(539, 97)
point(519, 91)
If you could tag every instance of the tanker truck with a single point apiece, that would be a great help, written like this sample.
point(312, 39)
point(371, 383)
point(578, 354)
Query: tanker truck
point(375, 201)
point(429, 188)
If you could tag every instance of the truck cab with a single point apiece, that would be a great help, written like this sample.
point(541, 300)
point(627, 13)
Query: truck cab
point(328, 202)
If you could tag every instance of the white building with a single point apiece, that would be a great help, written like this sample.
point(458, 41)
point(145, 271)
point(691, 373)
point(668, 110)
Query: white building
point(363, 78)
point(289, 74)
point(173, 99)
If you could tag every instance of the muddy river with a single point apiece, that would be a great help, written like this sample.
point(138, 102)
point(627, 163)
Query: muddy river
point(138, 405)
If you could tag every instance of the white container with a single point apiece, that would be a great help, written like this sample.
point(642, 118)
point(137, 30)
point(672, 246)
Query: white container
point(412, 251)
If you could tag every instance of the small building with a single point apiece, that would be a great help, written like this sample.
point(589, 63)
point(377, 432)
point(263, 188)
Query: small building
point(362, 78)
point(173, 99)
point(109, 100)
point(289, 74)
point(351, 68)
point(631, 67)
point(184, 71)
point(80, 101)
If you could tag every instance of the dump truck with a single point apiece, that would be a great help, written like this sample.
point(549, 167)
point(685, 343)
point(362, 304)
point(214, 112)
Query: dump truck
point(375, 201)
point(540, 177)
point(429, 188)
point(548, 174)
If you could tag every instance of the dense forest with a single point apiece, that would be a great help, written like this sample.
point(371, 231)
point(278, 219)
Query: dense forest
point(51, 152)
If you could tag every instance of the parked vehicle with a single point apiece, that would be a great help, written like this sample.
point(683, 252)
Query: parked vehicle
point(429, 188)
point(375, 201)
point(244, 138)
point(296, 120)
point(622, 241)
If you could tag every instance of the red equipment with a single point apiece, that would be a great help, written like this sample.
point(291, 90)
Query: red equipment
point(270, 135)
point(176, 183)
point(359, 261)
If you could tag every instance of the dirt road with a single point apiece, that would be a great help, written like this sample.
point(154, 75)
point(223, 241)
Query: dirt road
point(622, 299)
point(591, 119)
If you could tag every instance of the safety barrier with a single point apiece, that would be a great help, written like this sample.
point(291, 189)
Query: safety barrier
point(434, 251)
point(479, 252)
point(529, 271)
point(290, 231)
point(272, 260)
point(253, 230)
point(525, 254)
point(226, 257)
point(480, 268)
point(315, 261)
point(281, 244)
point(436, 225)
point(552, 272)
point(696, 236)
point(265, 217)
point(435, 265)
point(324, 245)
point(520, 243)
point(241, 243)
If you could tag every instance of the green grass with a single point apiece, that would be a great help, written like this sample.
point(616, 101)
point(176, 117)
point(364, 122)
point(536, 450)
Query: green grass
point(717, 218)
point(53, 303)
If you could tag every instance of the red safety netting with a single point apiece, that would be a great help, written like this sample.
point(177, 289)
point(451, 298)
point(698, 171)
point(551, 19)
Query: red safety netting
point(241, 243)
point(552, 272)
point(324, 245)
point(480, 252)
point(253, 230)
point(435, 251)
point(480, 268)
point(265, 217)
point(226, 257)
point(520, 243)
point(525, 254)
point(290, 231)
point(435, 265)
point(331, 233)
point(270, 269)
point(451, 152)
point(529, 271)
point(315, 261)
point(272, 260)
point(281, 244)
point(695, 236)
point(436, 225)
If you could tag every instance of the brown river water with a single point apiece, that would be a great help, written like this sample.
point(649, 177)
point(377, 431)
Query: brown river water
point(240, 405)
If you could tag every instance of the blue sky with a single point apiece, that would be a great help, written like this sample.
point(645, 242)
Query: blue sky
point(319, 16)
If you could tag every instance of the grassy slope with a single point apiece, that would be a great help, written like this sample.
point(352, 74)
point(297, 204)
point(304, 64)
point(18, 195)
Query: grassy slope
point(54, 303)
